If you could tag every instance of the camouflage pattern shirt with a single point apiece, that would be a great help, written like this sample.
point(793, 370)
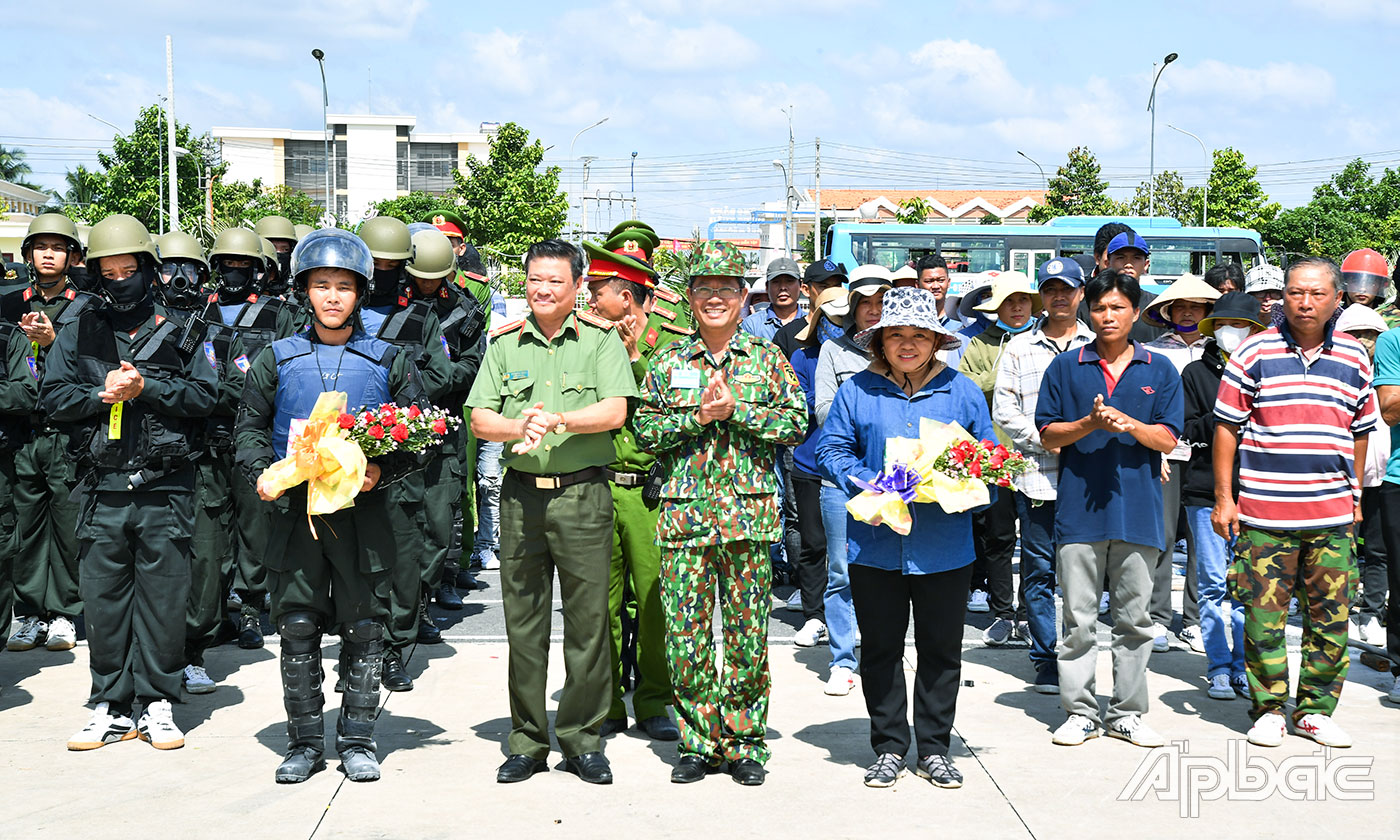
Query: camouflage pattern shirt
point(720, 485)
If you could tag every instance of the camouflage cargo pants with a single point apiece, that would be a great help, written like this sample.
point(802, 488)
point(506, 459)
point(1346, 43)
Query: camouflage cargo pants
point(1320, 566)
point(720, 718)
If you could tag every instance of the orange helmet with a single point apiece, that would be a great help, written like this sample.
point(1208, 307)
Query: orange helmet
point(1365, 272)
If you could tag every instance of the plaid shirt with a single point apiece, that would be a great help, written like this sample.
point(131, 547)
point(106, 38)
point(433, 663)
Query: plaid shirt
point(1022, 366)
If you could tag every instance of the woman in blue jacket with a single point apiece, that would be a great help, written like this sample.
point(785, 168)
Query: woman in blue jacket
point(932, 566)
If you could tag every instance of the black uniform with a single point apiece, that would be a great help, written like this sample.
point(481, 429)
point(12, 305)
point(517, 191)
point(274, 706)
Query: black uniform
point(19, 391)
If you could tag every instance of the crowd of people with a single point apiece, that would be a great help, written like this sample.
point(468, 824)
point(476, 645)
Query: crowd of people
point(667, 453)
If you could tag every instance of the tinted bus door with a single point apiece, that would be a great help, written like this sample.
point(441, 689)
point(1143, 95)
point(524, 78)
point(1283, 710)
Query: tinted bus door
point(1028, 260)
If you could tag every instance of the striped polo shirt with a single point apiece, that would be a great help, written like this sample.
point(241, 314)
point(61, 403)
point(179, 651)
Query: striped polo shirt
point(1299, 420)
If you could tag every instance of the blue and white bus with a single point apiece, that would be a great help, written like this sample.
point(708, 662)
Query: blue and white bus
point(1176, 250)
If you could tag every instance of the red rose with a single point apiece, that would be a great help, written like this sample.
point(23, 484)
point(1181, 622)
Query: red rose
point(376, 432)
point(399, 433)
point(975, 470)
point(1002, 451)
point(388, 417)
point(440, 426)
point(995, 461)
point(347, 421)
point(1003, 482)
point(414, 412)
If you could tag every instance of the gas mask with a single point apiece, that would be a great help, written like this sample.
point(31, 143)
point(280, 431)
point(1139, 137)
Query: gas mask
point(181, 284)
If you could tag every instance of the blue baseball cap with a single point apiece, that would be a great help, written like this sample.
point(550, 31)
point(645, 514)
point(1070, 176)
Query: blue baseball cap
point(1060, 268)
point(1128, 239)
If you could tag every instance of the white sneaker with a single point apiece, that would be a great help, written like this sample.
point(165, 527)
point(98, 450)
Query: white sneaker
point(1220, 688)
point(62, 634)
point(197, 680)
point(1074, 731)
point(156, 727)
point(1372, 633)
point(811, 634)
point(794, 601)
point(977, 602)
point(841, 682)
point(1267, 731)
point(104, 728)
point(488, 560)
point(32, 631)
point(1293, 606)
point(1161, 641)
point(1323, 730)
point(1103, 604)
point(1131, 728)
point(1394, 695)
point(1192, 637)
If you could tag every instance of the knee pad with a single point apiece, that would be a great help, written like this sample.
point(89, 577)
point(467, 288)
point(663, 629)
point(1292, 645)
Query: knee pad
point(364, 631)
point(300, 631)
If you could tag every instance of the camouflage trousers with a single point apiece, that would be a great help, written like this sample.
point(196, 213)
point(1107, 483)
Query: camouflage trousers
point(720, 718)
point(1317, 566)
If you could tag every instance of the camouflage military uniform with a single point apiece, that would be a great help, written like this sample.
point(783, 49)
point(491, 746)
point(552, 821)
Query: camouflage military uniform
point(1263, 580)
point(1390, 313)
point(719, 512)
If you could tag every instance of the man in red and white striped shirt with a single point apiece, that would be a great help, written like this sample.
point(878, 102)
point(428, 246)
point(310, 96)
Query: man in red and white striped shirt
point(1296, 402)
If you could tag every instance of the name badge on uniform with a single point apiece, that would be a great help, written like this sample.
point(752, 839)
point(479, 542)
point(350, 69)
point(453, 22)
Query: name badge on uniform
point(516, 374)
point(685, 377)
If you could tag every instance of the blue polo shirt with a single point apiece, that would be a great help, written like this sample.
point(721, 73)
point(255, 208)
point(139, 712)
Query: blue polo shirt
point(765, 324)
point(1110, 485)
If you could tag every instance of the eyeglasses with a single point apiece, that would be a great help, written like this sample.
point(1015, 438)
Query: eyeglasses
point(721, 292)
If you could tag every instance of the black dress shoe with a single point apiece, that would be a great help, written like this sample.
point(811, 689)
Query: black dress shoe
point(447, 597)
point(395, 676)
point(591, 767)
point(466, 581)
point(518, 768)
point(746, 771)
point(612, 726)
point(428, 632)
point(692, 768)
point(250, 635)
point(660, 728)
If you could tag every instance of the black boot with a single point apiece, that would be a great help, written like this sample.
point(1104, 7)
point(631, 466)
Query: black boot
point(428, 632)
point(302, 698)
point(447, 596)
point(250, 636)
point(359, 706)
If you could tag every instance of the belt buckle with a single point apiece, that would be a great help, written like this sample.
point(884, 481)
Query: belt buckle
point(549, 482)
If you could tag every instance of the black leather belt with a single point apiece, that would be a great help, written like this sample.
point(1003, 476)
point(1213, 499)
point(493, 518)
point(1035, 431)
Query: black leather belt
point(555, 481)
point(626, 479)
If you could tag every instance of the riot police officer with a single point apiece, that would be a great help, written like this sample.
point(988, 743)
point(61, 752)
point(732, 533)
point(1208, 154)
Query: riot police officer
point(339, 580)
point(135, 387)
point(283, 235)
point(19, 392)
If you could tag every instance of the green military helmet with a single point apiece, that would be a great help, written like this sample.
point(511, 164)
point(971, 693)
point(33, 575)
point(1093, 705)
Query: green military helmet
point(717, 258)
point(388, 238)
point(177, 245)
point(269, 252)
point(54, 224)
point(433, 257)
point(302, 231)
point(120, 234)
point(276, 227)
point(237, 242)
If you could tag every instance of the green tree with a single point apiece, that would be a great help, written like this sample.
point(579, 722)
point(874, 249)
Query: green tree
point(805, 247)
point(989, 219)
point(237, 203)
point(83, 185)
point(414, 207)
point(914, 211)
point(1172, 198)
point(1236, 198)
point(1078, 189)
point(1351, 210)
point(508, 201)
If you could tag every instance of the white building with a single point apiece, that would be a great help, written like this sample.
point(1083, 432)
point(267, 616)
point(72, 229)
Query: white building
point(373, 157)
point(18, 207)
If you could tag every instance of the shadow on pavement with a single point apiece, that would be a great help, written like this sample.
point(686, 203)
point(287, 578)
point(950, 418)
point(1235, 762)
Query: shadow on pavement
point(846, 741)
point(196, 709)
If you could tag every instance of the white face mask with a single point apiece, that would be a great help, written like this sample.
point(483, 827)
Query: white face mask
point(1230, 338)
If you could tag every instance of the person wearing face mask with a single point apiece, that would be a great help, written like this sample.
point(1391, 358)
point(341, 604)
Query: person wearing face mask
point(280, 231)
point(1014, 303)
point(1177, 310)
point(239, 265)
point(135, 387)
point(46, 551)
point(1234, 318)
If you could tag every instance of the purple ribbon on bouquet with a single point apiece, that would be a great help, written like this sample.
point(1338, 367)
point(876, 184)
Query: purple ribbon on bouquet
point(898, 479)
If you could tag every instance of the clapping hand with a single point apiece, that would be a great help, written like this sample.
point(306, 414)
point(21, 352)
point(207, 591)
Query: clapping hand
point(1109, 418)
point(37, 328)
point(534, 425)
point(629, 329)
point(716, 401)
point(124, 383)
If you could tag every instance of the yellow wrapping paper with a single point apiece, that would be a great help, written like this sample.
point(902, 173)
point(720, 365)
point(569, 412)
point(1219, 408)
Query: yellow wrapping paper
point(323, 456)
point(952, 494)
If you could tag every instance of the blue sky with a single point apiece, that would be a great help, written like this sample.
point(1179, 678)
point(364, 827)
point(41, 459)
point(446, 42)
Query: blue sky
point(903, 94)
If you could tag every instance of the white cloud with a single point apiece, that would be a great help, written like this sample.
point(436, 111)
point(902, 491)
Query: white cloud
point(1366, 11)
point(1283, 85)
point(358, 19)
point(504, 63)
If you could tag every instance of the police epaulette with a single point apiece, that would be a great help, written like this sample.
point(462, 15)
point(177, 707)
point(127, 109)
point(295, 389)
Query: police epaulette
point(511, 327)
point(589, 318)
point(663, 312)
point(666, 294)
point(677, 328)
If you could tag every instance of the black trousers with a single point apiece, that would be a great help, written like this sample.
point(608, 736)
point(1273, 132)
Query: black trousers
point(811, 555)
point(1390, 531)
point(1371, 556)
point(994, 539)
point(882, 600)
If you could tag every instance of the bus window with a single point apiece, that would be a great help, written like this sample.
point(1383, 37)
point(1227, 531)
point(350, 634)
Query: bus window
point(977, 254)
point(890, 250)
point(1174, 257)
point(1073, 247)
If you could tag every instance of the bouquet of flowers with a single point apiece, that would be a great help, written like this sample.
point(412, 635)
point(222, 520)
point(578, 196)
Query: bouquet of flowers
point(986, 461)
point(393, 428)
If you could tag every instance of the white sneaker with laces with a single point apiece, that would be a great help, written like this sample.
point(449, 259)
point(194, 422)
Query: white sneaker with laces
point(1103, 604)
point(156, 726)
point(840, 683)
point(62, 634)
point(1074, 731)
point(811, 634)
point(32, 630)
point(1394, 695)
point(1161, 642)
point(1192, 637)
point(1220, 688)
point(102, 729)
point(1131, 728)
point(1323, 730)
point(1267, 731)
point(1372, 633)
point(488, 559)
point(977, 601)
point(197, 680)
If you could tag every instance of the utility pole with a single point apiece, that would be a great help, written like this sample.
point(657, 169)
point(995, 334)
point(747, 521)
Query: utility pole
point(788, 234)
point(170, 134)
point(818, 251)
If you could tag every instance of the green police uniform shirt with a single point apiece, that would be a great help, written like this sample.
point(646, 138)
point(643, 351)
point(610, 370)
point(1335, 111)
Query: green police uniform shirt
point(583, 364)
point(657, 336)
point(720, 481)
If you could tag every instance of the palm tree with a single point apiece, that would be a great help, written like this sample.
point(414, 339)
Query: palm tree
point(12, 165)
point(82, 186)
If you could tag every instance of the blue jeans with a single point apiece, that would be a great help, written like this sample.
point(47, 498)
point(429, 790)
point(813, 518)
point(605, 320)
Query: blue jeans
point(840, 614)
point(1222, 618)
point(1038, 576)
point(488, 495)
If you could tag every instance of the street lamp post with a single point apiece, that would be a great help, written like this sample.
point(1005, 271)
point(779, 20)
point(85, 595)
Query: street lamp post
point(325, 126)
point(787, 210)
point(1045, 180)
point(571, 157)
point(1205, 155)
point(1152, 142)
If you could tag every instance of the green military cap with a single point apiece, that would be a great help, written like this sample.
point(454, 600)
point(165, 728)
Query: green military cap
point(605, 263)
point(448, 222)
point(717, 258)
point(632, 236)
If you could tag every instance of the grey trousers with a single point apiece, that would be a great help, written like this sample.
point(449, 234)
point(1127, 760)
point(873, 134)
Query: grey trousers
point(1081, 568)
point(1161, 606)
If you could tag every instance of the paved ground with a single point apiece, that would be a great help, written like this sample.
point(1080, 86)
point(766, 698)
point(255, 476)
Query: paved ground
point(440, 745)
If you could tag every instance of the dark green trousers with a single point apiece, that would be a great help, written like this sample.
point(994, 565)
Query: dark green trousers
point(569, 530)
point(249, 545)
point(209, 547)
point(442, 493)
point(8, 540)
point(407, 522)
point(636, 559)
point(135, 572)
point(342, 572)
point(46, 559)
